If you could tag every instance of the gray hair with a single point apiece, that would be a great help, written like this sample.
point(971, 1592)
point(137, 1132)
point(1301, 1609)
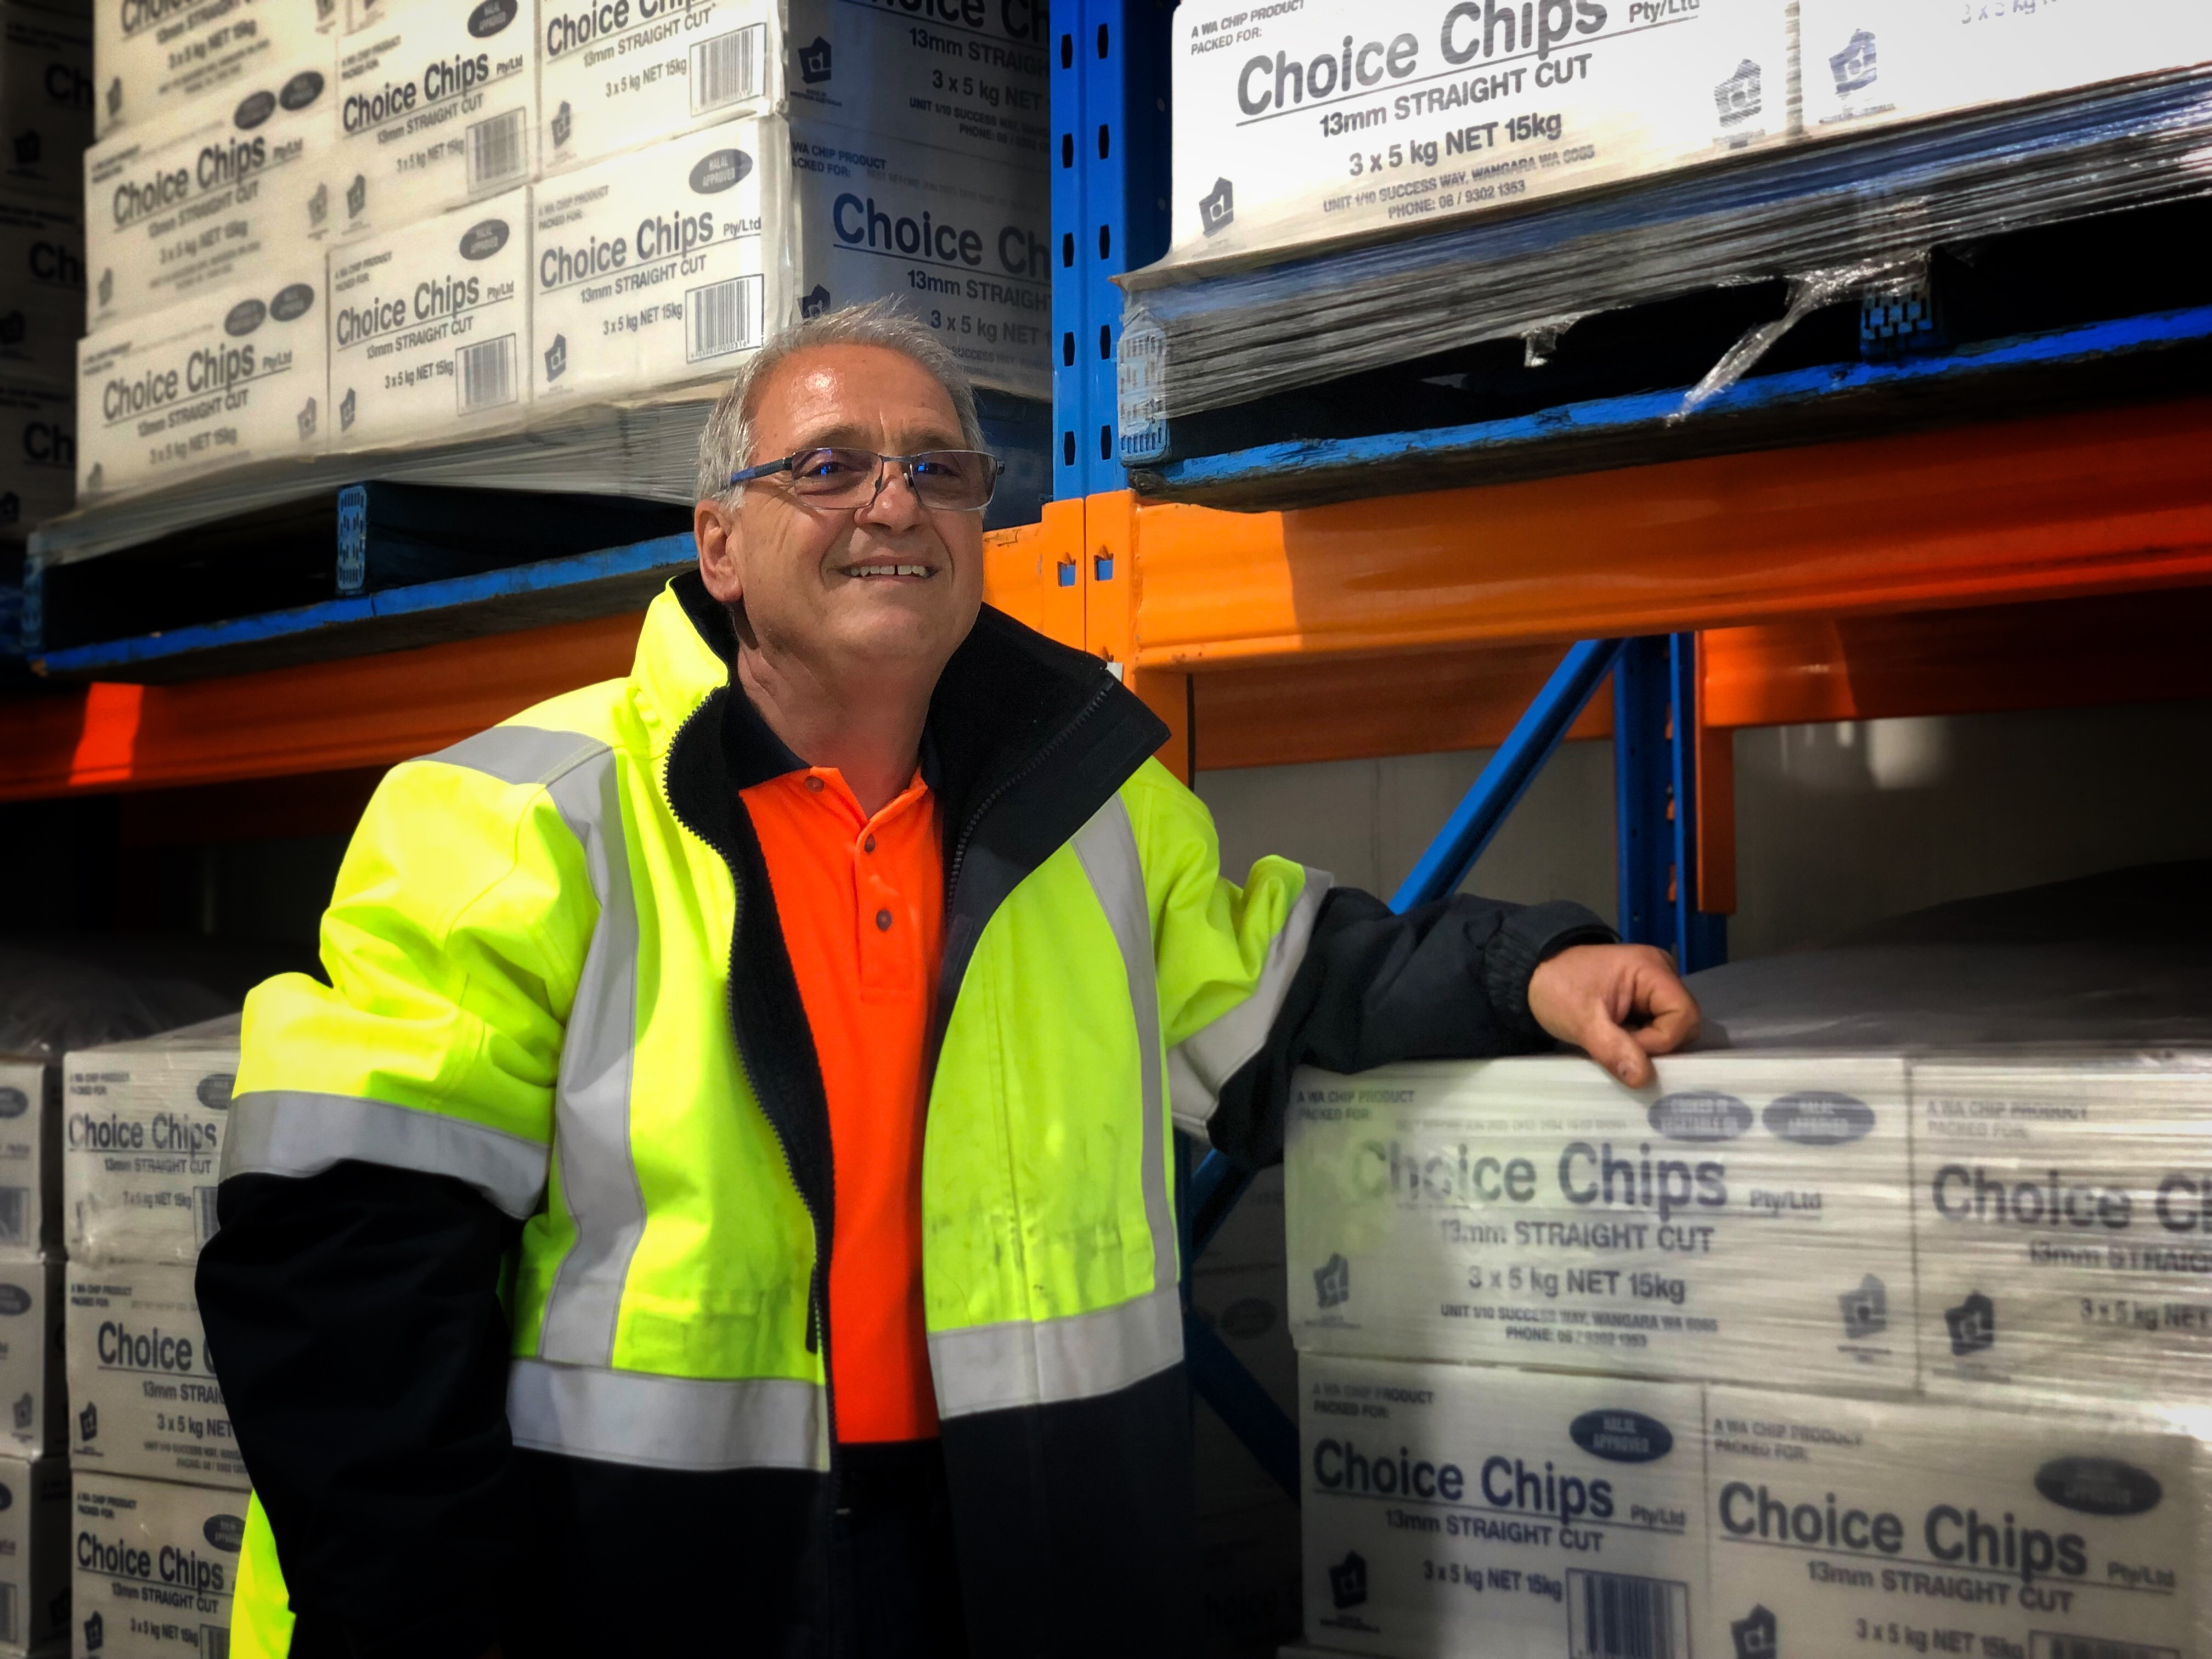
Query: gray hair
point(725, 442)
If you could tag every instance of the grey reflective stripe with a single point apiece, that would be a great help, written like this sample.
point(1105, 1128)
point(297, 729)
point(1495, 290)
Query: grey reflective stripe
point(989, 1368)
point(290, 1132)
point(1210, 1056)
point(667, 1422)
point(591, 1101)
point(1107, 845)
point(519, 754)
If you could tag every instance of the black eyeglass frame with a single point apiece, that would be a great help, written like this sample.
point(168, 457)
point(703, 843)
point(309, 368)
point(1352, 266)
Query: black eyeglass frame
point(905, 464)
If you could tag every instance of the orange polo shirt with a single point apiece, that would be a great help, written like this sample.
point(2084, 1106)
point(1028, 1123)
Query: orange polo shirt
point(861, 900)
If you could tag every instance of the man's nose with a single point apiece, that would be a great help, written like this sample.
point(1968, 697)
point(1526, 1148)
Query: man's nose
point(896, 506)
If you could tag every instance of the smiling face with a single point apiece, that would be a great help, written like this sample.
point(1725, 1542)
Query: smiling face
point(853, 594)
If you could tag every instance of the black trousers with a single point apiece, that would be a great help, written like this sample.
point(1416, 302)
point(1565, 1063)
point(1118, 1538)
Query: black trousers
point(899, 1584)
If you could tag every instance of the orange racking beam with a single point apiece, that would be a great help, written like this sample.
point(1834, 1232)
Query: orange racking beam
point(2076, 503)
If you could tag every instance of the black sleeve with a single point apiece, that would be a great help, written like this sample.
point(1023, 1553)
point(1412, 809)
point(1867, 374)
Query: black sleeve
point(1448, 981)
point(355, 1327)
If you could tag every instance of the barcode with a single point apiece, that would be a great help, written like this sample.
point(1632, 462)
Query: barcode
point(725, 68)
point(2048, 1644)
point(8, 1630)
point(1611, 1615)
point(722, 317)
point(494, 153)
point(204, 1216)
point(487, 374)
point(215, 1642)
point(13, 1201)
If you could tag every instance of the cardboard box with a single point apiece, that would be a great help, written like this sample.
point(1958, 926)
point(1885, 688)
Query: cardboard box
point(30, 1158)
point(438, 107)
point(231, 375)
point(32, 1403)
point(1748, 1216)
point(969, 76)
point(430, 327)
point(142, 1394)
point(41, 289)
point(663, 267)
point(45, 101)
point(1866, 63)
point(38, 455)
point(1245, 1309)
point(207, 195)
point(1947, 1531)
point(1298, 125)
point(2062, 1217)
point(154, 1565)
point(142, 1143)
point(1462, 1509)
point(156, 57)
point(34, 1585)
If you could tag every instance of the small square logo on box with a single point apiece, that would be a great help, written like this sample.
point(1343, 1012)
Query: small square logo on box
point(26, 1409)
point(814, 62)
point(1347, 1581)
point(346, 410)
point(318, 204)
point(88, 1422)
point(557, 357)
point(11, 507)
point(15, 328)
point(1217, 209)
point(356, 195)
point(1973, 1325)
point(309, 415)
point(1855, 67)
point(1332, 1282)
point(564, 124)
point(115, 98)
point(28, 147)
point(1866, 1310)
point(1738, 98)
point(816, 302)
point(95, 1633)
point(1756, 1635)
point(107, 287)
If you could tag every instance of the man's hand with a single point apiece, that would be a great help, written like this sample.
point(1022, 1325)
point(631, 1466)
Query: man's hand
point(1619, 1004)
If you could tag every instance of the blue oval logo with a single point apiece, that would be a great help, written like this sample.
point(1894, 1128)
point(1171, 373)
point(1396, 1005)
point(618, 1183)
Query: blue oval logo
point(225, 1532)
point(14, 1299)
point(292, 302)
point(2098, 1485)
point(1252, 1316)
point(1819, 1117)
point(13, 1102)
point(720, 170)
point(301, 90)
point(214, 1090)
point(1620, 1436)
point(483, 239)
point(255, 110)
point(491, 17)
point(1700, 1115)
point(245, 317)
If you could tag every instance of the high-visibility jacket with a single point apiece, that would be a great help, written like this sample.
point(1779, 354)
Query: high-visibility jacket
point(521, 1289)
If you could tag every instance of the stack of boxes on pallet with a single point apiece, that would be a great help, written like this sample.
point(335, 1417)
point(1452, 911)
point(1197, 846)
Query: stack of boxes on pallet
point(45, 122)
point(33, 1481)
point(158, 1505)
point(1786, 1355)
point(425, 220)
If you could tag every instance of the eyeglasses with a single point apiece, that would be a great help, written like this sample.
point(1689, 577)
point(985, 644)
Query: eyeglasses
point(950, 480)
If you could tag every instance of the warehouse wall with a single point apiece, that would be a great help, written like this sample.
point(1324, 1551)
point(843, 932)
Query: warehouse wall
point(1838, 824)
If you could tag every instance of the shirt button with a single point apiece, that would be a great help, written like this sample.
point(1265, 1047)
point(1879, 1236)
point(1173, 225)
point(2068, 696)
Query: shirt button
point(882, 922)
point(869, 845)
point(814, 786)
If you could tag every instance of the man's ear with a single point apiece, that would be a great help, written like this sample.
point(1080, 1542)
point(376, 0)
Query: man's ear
point(718, 530)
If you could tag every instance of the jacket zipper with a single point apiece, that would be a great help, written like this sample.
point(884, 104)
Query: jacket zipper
point(1006, 784)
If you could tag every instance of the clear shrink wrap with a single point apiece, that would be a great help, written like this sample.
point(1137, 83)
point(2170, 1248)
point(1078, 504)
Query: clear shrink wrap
point(437, 108)
point(1465, 1509)
point(430, 327)
point(30, 1158)
point(142, 1152)
point(41, 289)
point(158, 57)
point(34, 1572)
point(45, 101)
point(203, 196)
point(1747, 1216)
point(967, 75)
point(1297, 126)
point(154, 1567)
point(143, 1398)
point(231, 375)
point(1841, 1527)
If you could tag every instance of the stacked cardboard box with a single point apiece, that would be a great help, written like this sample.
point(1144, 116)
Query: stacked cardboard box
point(34, 1482)
point(436, 219)
point(1782, 1350)
point(158, 1500)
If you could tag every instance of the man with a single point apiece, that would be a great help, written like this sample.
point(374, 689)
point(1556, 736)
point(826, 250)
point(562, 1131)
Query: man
point(720, 1203)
